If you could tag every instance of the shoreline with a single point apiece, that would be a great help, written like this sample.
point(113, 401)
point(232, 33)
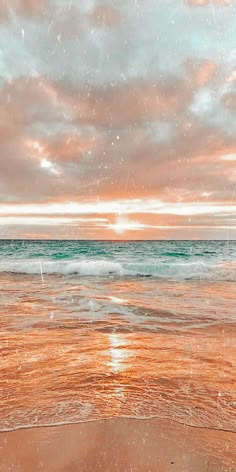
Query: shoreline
point(119, 444)
point(113, 418)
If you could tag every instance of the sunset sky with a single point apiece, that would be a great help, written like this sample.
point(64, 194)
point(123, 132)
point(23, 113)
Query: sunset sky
point(118, 119)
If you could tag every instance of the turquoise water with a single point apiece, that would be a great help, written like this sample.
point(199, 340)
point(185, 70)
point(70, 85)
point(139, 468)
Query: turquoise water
point(175, 260)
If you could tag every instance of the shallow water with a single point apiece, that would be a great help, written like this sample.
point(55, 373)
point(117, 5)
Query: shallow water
point(81, 347)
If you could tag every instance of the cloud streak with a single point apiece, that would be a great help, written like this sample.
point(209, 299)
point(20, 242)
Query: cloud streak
point(117, 110)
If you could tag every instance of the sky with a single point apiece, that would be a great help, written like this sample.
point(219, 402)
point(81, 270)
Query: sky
point(118, 119)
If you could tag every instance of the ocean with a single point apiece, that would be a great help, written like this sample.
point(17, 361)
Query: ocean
point(94, 330)
point(173, 260)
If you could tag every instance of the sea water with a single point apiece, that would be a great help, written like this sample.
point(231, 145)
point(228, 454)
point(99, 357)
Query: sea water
point(100, 329)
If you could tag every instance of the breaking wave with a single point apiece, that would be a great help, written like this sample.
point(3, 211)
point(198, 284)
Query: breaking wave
point(197, 270)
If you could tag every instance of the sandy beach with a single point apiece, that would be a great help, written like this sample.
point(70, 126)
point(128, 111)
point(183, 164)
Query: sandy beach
point(118, 445)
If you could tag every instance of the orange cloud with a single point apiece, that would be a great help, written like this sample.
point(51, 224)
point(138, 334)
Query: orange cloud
point(195, 3)
point(200, 3)
point(229, 100)
point(104, 149)
point(109, 152)
point(105, 15)
point(176, 222)
point(25, 100)
point(89, 135)
point(71, 147)
point(22, 7)
point(32, 235)
point(201, 72)
point(129, 104)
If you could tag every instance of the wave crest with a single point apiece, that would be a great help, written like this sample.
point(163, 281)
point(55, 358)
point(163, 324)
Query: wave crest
point(164, 270)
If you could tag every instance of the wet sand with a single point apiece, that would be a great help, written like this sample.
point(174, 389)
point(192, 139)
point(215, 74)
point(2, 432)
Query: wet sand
point(118, 445)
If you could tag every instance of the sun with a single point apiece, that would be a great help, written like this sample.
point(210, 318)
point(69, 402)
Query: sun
point(123, 224)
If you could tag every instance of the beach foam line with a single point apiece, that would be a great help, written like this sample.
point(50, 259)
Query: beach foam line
point(194, 270)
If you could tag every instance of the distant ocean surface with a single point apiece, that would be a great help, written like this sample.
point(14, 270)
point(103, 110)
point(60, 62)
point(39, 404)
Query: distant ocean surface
point(98, 329)
point(174, 260)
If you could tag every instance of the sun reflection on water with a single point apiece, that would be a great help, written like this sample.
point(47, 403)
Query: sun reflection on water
point(119, 352)
point(118, 300)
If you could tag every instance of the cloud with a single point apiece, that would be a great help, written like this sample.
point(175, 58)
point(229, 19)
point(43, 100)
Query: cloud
point(29, 8)
point(119, 207)
point(28, 100)
point(132, 103)
point(200, 3)
point(201, 72)
point(105, 15)
point(68, 23)
point(136, 218)
point(229, 100)
point(107, 144)
point(109, 104)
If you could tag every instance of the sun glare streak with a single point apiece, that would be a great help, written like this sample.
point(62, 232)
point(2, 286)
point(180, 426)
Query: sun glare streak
point(229, 157)
point(49, 220)
point(118, 352)
point(123, 225)
point(120, 301)
point(124, 207)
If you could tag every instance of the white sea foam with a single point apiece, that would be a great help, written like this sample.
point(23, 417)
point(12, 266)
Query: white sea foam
point(196, 270)
point(86, 267)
